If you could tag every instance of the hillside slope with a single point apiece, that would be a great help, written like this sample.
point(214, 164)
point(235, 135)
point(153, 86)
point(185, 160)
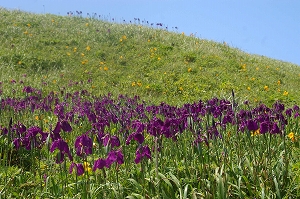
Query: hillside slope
point(69, 53)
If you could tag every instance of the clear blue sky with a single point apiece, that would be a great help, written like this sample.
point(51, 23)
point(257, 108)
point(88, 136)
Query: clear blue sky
point(265, 27)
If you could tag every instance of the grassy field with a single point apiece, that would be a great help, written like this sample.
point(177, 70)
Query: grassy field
point(137, 60)
point(91, 108)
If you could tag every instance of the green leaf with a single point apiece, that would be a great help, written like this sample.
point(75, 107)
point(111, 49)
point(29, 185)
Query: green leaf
point(185, 192)
point(136, 184)
point(166, 180)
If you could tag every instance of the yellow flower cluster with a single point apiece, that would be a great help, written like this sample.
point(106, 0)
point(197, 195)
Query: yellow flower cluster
point(136, 84)
point(152, 51)
point(123, 38)
point(255, 133)
point(266, 88)
point(291, 135)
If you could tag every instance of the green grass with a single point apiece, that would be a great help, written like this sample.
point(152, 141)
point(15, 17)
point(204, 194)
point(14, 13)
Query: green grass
point(155, 64)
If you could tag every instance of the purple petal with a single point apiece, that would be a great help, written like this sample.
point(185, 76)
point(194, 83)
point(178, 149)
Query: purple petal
point(264, 127)
point(66, 126)
point(57, 128)
point(80, 169)
point(251, 125)
point(139, 138)
point(71, 167)
point(99, 164)
point(114, 140)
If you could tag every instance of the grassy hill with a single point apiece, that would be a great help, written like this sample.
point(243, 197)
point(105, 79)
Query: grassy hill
point(103, 57)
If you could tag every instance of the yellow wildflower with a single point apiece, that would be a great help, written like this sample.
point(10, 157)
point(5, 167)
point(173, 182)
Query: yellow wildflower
point(291, 135)
point(101, 63)
point(254, 133)
point(266, 88)
point(87, 167)
point(36, 117)
point(52, 20)
point(105, 68)
point(19, 62)
point(68, 53)
point(248, 88)
point(88, 48)
point(133, 84)
point(158, 58)
point(87, 24)
point(180, 88)
point(285, 93)
point(124, 37)
point(278, 82)
point(189, 69)
point(75, 49)
point(26, 32)
point(84, 62)
point(82, 54)
point(147, 86)
point(228, 133)
point(28, 25)
point(139, 84)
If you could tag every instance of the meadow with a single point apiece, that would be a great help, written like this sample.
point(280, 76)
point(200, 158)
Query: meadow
point(95, 108)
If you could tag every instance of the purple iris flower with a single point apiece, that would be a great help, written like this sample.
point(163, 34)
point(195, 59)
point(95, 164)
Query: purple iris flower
point(264, 127)
point(21, 128)
point(115, 141)
point(17, 143)
point(136, 136)
point(279, 107)
point(4, 131)
point(29, 138)
point(99, 164)
point(139, 138)
point(112, 157)
point(32, 139)
point(112, 140)
point(251, 125)
point(79, 168)
point(28, 89)
point(275, 129)
point(65, 126)
point(142, 152)
point(63, 147)
point(83, 145)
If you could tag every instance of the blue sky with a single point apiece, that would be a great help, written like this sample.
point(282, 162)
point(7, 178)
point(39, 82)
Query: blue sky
point(265, 27)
